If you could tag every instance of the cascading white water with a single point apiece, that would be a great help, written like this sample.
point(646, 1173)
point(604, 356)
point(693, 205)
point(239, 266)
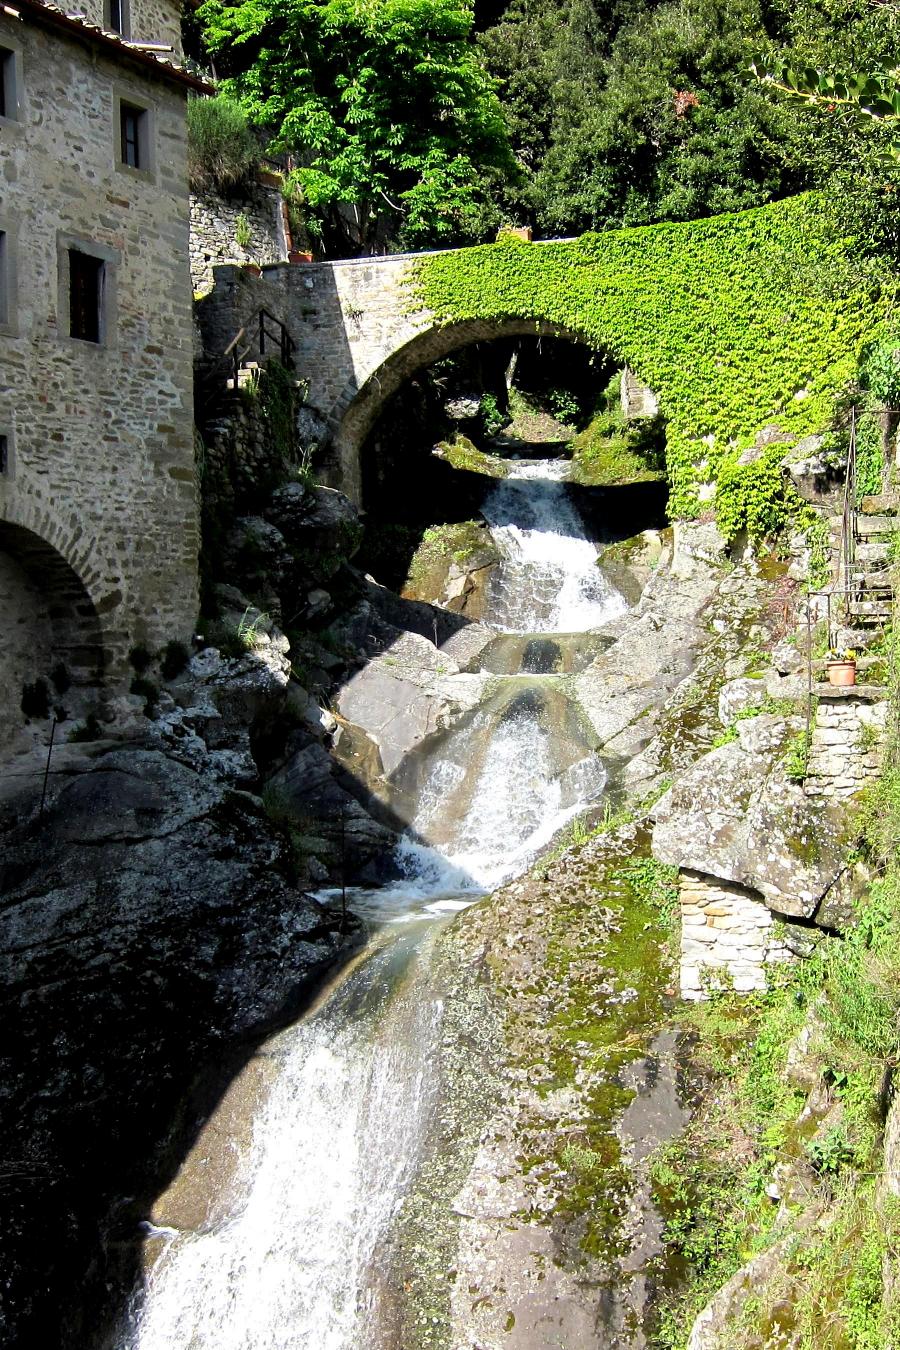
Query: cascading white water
point(518, 801)
point(548, 579)
point(330, 1154)
point(296, 1265)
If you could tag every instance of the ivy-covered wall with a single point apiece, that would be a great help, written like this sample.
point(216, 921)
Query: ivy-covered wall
point(736, 322)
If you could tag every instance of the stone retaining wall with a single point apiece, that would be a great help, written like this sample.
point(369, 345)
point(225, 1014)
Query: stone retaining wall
point(728, 936)
point(844, 755)
point(214, 223)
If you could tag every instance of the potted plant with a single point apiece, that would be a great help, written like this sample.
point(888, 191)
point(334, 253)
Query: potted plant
point(841, 666)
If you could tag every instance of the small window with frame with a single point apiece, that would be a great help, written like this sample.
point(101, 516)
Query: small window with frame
point(118, 17)
point(87, 276)
point(134, 147)
point(9, 84)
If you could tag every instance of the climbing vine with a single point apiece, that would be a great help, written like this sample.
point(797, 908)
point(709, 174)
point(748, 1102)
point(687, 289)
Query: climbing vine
point(736, 322)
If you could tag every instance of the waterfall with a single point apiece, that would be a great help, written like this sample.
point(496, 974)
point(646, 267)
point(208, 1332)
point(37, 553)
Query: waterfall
point(297, 1264)
point(330, 1155)
point(548, 579)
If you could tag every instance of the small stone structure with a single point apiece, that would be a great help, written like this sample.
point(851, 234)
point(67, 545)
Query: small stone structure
point(728, 936)
point(214, 228)
point(637, 399)
point(844, 754)
point(98, 506)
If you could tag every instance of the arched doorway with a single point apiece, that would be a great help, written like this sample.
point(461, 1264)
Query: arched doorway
point(52, 655)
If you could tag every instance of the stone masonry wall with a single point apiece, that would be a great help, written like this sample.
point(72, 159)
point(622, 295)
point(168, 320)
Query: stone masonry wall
point(101, 466)
point(844, 754)
point(726, 931)
point(214, 222)
point(357, 338)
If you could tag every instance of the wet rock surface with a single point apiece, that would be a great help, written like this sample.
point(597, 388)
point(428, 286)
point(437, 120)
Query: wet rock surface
point(148, 924)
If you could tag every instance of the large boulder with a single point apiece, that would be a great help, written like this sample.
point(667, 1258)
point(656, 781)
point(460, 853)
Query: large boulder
point(737, 816)
point(405, 695)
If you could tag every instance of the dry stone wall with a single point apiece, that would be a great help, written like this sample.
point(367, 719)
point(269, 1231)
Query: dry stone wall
point(214, 230)
point(845, 751)
point(728, 936)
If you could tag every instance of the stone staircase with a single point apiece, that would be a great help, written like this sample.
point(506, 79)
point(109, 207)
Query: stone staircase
point(871, 591)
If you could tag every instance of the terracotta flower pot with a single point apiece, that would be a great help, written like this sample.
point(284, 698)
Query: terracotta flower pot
point(842, 672)
point(297, 255)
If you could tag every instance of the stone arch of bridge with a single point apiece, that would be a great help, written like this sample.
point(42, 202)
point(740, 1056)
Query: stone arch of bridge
point(51, 621)
point(357, 410)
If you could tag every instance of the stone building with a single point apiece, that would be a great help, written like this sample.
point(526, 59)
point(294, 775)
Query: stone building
point(98, 509)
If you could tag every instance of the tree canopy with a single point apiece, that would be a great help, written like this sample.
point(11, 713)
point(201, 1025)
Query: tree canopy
point(409, 124)
point(393, 125)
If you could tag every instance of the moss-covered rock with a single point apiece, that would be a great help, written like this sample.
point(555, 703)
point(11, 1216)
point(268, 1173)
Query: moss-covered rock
point(464, 454)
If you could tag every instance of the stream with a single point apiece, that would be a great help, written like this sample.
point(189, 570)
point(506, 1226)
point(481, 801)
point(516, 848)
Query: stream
point(295, 1254)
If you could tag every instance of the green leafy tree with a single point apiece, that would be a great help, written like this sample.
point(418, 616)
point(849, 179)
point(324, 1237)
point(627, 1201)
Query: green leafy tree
point(647, 113)
point(393, 125)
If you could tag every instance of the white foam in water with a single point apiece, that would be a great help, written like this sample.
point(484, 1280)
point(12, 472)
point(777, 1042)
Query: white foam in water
point(334, 1146)
point(548, 579)
point(331, 1153)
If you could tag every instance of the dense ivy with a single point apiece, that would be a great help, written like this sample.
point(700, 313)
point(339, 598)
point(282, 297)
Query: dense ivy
point(736, 322)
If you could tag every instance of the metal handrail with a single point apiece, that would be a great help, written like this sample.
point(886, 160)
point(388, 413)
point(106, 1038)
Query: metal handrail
point(849, 513)
point(268, 328)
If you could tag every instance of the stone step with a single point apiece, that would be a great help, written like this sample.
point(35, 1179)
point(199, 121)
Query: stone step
point(882, 504)
point(869, 610)
point(866, 693)
point(875, 551)
point(873, 581)
point(866, 526)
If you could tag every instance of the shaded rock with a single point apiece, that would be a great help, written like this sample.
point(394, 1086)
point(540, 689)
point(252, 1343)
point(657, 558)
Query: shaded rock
point(257, 552)
point(147, 926)
point(812, 472)
point(630, 563)
point(308, 790)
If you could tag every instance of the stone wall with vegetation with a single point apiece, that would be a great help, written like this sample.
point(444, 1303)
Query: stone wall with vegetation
point(244, 227)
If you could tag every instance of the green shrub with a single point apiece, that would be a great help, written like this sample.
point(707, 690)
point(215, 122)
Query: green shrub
point(222, 149)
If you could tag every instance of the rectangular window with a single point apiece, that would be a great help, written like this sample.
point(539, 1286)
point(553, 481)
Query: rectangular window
point(117, 17)
point(9, 100)
point(86, 275)
point(4, 455)
point(130, 119)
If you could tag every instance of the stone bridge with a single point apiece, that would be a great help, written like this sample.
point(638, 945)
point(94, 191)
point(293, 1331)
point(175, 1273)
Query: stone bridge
point(359, 336)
